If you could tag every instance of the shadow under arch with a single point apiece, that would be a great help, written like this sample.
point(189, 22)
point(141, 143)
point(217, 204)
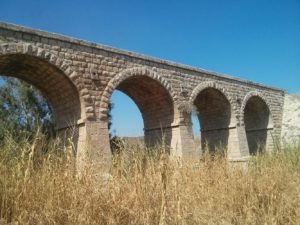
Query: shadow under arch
point(258, 122)
point(215, 115)
point(153, 96)
point(38, 68)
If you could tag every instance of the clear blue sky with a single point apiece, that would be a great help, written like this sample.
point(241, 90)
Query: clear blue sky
point(257, 40)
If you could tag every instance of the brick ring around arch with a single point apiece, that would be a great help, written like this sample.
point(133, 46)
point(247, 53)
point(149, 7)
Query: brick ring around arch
point(62, 65)
point(212, 84)
point(247, 97)
point(127, 73)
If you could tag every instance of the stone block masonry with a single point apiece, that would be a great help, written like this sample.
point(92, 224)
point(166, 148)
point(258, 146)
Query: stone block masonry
point(79, 77)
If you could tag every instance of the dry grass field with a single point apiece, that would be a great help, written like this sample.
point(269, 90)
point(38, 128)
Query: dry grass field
point(38, 185)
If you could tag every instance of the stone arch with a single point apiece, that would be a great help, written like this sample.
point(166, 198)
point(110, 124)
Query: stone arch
point(257, 118)
point(131, 72)
point(246, 99)
point(63, 66)
point(218, 86)
point(216, 113)
point(154, 97)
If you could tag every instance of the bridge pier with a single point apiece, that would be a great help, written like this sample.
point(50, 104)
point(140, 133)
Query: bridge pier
point(238, 150)
point(177, 138)
point(182, 144)
point(93, 151)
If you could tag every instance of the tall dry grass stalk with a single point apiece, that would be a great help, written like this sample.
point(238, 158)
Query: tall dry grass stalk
point(38, 185)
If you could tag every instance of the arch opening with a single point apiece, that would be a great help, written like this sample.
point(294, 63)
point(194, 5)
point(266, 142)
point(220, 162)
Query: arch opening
point(23, 109)
point(257, 119)
point(196, 129)
point(214, 116)
point(155, 105)
point(54, 85)
point(125, 120)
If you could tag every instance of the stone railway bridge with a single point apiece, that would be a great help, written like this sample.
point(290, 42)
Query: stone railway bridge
point(78, 78)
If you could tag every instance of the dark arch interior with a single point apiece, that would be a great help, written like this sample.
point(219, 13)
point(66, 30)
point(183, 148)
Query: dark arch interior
point(256, 118)
point(52, 82)
point(214, 115)
point(155, 105)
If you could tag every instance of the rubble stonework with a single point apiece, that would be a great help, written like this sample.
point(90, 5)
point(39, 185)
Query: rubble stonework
point(291, 119)
point(78, 78)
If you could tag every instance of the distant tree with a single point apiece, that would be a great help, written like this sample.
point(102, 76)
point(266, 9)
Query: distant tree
point(23, 109)
point(115, 141)
point(109, 118)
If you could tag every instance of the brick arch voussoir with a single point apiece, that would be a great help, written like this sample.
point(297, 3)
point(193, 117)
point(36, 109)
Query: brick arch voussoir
point(62, 64)
point(127, 73)
point(248, 96)
point(221, 88)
